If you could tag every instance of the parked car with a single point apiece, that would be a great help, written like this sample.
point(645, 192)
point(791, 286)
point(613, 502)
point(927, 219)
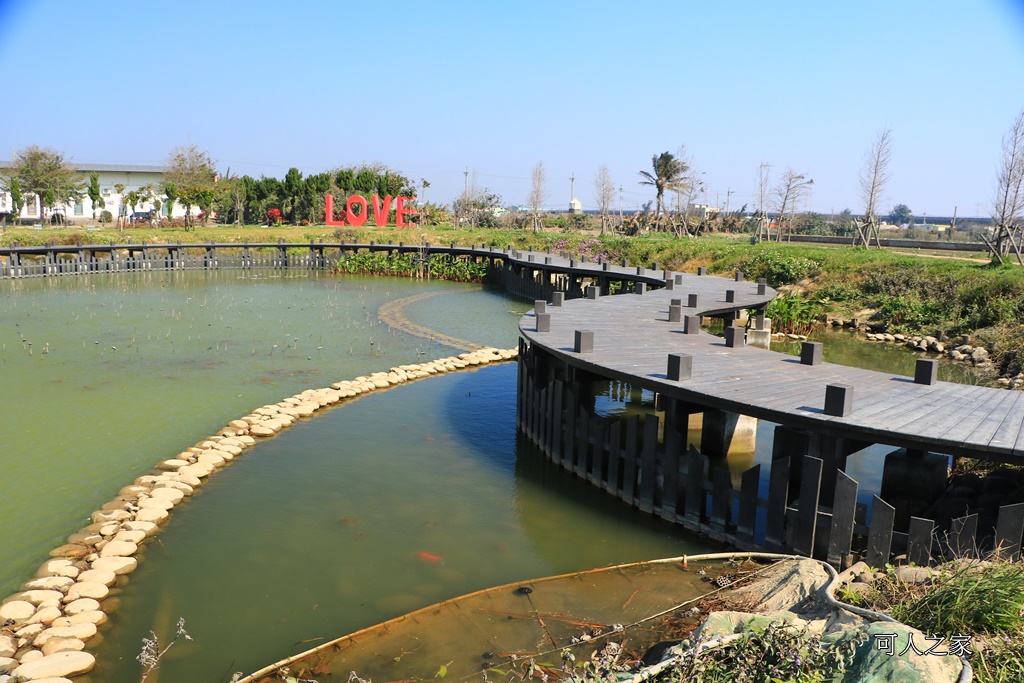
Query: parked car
point(141, 217)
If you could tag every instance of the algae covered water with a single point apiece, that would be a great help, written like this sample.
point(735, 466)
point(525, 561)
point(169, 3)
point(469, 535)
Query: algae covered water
point(385, 504)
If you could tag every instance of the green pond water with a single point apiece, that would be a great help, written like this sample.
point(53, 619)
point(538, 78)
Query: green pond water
point(329, 527)
point(373, 508)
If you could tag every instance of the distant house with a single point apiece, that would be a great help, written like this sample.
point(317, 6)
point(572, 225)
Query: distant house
point(702, 211)
point(133, 177)
point(575, 206)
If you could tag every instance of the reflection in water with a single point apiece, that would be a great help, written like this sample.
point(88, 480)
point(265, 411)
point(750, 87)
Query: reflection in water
point(357, 516)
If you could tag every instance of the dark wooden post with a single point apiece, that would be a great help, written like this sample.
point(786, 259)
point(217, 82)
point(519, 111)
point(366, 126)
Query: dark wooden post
point(810, 353)
point(584, 341)
point(680, 366)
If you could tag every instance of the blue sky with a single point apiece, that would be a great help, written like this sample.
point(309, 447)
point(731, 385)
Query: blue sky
point(433, 88)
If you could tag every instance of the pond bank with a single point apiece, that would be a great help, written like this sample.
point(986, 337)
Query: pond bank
point(47, 624)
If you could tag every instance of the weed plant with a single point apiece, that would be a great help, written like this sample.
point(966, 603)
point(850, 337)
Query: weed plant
point(778, 653)
point(973, 599)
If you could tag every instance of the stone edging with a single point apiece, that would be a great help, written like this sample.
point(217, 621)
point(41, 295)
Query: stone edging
point(45, 626)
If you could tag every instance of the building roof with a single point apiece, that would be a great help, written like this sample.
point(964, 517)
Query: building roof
point(113, 168)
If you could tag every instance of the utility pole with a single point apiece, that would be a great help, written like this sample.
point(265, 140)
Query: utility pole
point(729, 192)
point(465, 196)
point(572, 190)
point(620, 205)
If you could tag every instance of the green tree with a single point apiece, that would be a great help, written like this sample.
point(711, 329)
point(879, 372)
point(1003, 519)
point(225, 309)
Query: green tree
point(345, 180)
point(40, 169)
point(365, 181)
point(204, 197)
point(901, 214)
point(119, 188)
point(192, 170)
point(95, 195)
point(17, 198)
point(171, 192)
point(667, 173)
point(133, 200)
point(316, 188)
point(294, 187)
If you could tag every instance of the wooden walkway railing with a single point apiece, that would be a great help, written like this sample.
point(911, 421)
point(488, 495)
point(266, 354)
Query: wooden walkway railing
point(624, 457)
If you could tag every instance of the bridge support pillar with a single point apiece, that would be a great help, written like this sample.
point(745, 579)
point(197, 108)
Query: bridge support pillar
point(911, 482)
point(723, 431)
point(760, 332)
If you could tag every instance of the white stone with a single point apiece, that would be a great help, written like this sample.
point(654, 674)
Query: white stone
point(87, 589)
point(213, 459)
point(133, 490)
point(93, 616)
point(57, 664)
point(71, 550)
point(85, 538)
point(62, 645)
point(17, 610)
point(152, 515)
point(156, 504)
point(81, 605)
point(36, 597)
point(260, 430)
point(50, 583)
point(119, 548)
point(184, 488)
point(197, 470)
point(56, 567)
point(8, 645)
point(118, 565)
point(246, 440)
point(26, 634)
point(46, 615)
point(148, 528)
point(171, 494)
point(110, 529)
point(109, 516)
point(80, 631)
point(172, 464)
point(127, 535)
point(187, 478)
point(7, 664)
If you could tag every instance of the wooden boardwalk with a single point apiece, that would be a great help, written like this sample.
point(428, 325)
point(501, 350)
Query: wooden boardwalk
point(633, 339)
point(806, 503)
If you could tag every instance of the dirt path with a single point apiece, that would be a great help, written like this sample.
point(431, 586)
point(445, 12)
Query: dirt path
point(392, 314)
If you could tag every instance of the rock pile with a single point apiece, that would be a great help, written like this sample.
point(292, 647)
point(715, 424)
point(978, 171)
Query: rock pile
point(44, 627)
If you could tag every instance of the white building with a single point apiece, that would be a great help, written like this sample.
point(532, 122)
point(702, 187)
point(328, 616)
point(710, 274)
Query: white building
point(703, 211)
point(146, 180)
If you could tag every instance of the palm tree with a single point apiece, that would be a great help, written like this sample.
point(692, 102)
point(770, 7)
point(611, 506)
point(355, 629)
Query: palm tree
point(669, 174)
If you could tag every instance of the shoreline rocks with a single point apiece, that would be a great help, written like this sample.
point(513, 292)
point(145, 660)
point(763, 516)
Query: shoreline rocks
point(46, 626)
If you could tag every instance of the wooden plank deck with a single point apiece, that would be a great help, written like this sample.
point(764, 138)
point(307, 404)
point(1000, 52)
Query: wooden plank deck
point(632, 341)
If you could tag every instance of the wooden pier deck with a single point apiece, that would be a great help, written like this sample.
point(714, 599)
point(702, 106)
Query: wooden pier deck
point(633, 339)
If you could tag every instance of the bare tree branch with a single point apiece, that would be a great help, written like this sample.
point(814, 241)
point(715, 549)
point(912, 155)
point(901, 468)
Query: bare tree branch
point(1008, 206)
point(605, 191)
point(538, 195)
point(791, 189)
point(873, 178)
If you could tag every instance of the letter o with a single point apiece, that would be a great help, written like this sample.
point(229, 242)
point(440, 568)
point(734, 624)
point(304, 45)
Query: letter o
point(353, 218)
